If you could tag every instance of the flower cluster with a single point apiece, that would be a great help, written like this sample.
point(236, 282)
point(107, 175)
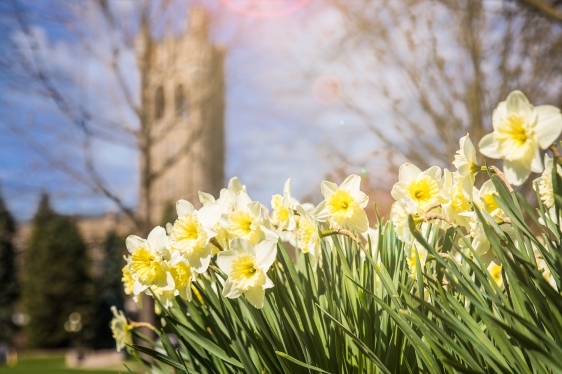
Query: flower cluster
point(237, 238)
point(451, 198)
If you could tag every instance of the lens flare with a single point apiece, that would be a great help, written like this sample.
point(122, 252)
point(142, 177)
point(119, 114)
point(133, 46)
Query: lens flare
point(265, 8)
point(327, 89)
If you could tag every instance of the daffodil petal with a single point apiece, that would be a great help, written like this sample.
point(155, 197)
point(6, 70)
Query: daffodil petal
point(242, 200)
point(408, 172)
point(234, 185)
point(184, 207)
point(499, 113)
point(157, 239)
point(255, 296)
point(518, 103)
point(265, 254)
point(351, 183)
point(229, 290)
point(549, 125)
point(516, 172)
point(210, 214)
point(200, 260)
point(133, 242)
point(328, 188)
point(359, 221)
point(536, 164)
point(489, 147)
point(206, 198)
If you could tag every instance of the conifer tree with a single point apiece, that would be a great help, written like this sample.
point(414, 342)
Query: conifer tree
point(9, 287)
point(109, 290)
point(169, 214)
point(56, 278)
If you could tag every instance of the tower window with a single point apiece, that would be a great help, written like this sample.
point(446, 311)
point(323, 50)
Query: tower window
point(181, 102)
point(159, 103)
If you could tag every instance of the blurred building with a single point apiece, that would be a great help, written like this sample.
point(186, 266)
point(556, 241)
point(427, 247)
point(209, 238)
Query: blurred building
point(185, 92)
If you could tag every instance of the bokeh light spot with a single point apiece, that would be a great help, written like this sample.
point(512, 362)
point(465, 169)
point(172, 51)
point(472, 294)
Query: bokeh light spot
point(327, 90)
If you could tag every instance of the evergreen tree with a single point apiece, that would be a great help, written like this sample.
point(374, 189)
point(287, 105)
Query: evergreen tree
point(169, 214)
point(9, 287)
point(109, 290)
point(56, 278)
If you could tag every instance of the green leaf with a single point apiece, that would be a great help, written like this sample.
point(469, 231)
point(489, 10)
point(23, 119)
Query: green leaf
point(295, 361)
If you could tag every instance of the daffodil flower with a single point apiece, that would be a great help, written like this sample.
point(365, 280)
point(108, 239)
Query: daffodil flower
point(283, 208)
point(344, 204)
point(466, 164)
point(183, 276)
point(227, 197)
point(309, 236)
point(372, 234)
point(246, 220)
point(411, 258)
point(422, 187)
point(480, 242)
point(465, 158)
point(484, 198)
point(121, 329)
point(456, 200)
point(192, 232)
point(127, 278)
point(246, 267)
point(147, 265)
point(496, 273)
point(520, 129)
point(400, 211)
point(546, 190)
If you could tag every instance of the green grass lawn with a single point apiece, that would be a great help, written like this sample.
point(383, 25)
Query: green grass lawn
point(52, 365)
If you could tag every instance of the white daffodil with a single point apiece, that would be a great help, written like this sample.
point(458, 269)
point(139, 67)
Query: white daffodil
point(121, 329)
point(127, 278)
point(519, 130)
point(292, 236)
point(411, 258)
point(544, 269)
point(465, 158)
point(165, 297)
point(422, 187)
point(283, 208)
point(246, 220)
point(183, 277)
point(485, 199)
point(147, 266)
point(344, 204)
point(227, 196)
point(480, 242)
point(455, 199)
point(192, 232)
point(372, 234)
point(399, 213)
point(466, 163)
point(496, 273)
point(309, 236)
point(545, 182)
point(246, 267)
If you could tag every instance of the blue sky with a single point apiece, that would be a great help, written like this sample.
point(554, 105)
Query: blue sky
point(275, 127)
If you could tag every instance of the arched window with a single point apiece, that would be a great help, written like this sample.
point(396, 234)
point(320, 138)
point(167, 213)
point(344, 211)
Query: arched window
point(181, 102)
point(159, 103)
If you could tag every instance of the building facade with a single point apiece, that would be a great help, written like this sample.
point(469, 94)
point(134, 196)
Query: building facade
point(186, 94)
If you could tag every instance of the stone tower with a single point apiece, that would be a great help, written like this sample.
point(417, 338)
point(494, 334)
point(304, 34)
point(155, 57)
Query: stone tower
point(186, 91)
